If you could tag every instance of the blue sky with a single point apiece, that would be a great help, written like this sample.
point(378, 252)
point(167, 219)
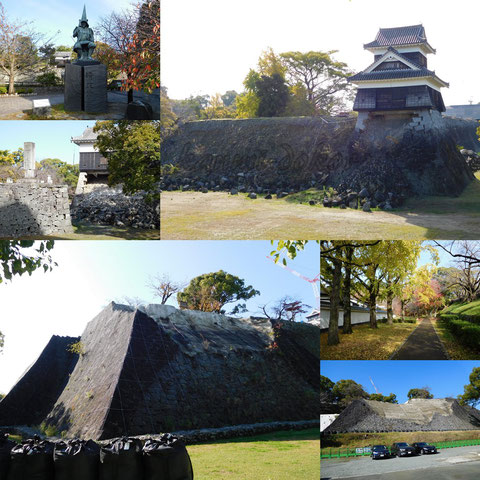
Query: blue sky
point(51, 138)
point(90, 274)
point(53, 15)
point(445, 378)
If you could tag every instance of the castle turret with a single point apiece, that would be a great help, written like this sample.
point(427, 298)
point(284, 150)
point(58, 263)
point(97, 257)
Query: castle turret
point(398, 82)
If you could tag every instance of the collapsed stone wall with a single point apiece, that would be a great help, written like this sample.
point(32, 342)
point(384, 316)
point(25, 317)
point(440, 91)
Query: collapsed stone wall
point(390, 159)
point(162, 369)
point(102, 205)
point(30, 209)
point(415, 415)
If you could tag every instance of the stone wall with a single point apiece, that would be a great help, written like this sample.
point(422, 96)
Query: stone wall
point(392, 158)
point(32, 209)
point(101, 205)
point(163, 369)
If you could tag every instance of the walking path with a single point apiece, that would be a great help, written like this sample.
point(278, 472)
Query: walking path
point(422, 344)
point(18, 104)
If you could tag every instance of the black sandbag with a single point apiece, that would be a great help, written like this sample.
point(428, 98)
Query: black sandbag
point(166, 459)
point(76, 460)
point(6, 446)
point(121, 459)
point(32, 460)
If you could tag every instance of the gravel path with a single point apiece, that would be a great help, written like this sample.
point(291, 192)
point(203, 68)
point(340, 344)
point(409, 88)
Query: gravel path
point(422, 344)
point(356, 468)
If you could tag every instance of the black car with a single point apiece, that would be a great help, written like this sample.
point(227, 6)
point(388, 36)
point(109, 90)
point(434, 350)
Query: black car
point(380, 451)
point(402, 449)
point(422, 447)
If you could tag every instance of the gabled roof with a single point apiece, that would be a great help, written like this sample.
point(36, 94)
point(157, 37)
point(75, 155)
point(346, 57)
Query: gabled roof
point(387, 37)
point(414, 70)
point(410, 35)
point(87, 136)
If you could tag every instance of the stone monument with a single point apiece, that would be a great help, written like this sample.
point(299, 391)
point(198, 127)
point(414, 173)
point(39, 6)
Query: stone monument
point(29, 160)
point(85, 78)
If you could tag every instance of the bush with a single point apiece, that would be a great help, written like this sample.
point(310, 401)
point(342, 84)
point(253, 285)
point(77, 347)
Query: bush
point(29, 90)
point(21, 90)
point(466, 332)
point(48, 79)
point(3, 90)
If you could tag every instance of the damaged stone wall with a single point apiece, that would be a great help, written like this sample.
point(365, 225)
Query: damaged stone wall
point(418, 157)
point(101, 205)
point(161, 369)
point(32, 209)
point(440, 414)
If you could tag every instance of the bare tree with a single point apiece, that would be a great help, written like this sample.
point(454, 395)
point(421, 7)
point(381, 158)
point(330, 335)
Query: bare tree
point(18, 48)
point(163, 287)
point(287, 308)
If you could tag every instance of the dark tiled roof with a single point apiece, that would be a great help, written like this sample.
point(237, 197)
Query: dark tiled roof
point(392, 74)
point(399, 36)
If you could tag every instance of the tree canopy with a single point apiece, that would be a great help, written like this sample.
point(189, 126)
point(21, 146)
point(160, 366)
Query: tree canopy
point(419, 393)
point(471, 393)
point(133, 152)
point(211, 291)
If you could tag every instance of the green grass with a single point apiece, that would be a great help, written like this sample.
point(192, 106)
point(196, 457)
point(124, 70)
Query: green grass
point(455, 350)
point(366, 343)
point(471, 309)
point(305, 196)
point(274, 456)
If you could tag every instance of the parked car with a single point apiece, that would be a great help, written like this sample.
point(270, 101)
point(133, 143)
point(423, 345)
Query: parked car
point(380, 451)
point(402, 449)
point(422, 447)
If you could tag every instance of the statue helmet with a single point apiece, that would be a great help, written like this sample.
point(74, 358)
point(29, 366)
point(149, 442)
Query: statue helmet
point(84, 17)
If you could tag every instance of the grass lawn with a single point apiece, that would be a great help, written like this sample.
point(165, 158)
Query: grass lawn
point(366, 343)
point(219, 215)
point(283, 455)
point(353, 440)
point(464, 309)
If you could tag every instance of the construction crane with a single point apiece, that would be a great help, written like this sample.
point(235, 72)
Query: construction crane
point(373, 385)
point(312, 281)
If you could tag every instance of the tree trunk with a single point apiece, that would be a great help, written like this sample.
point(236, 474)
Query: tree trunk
point(389, 308)
point(347, 309)
point(402, 306)
point(373, 310)
point(332, 338)
point(130, 95)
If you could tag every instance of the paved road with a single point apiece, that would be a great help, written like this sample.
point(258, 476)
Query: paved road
point(18, 104)
point(364, 468)
point(422, 344)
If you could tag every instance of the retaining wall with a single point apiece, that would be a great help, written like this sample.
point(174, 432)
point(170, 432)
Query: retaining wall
point(31, 209)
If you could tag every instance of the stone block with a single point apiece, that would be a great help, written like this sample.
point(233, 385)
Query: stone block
point(95, 88)
point(73, 87)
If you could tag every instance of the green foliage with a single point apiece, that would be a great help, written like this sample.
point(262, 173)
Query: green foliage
point(48, 430)
point(133, 152)
point(66, 172)
point(77, 348)
point(247, 104)
point(392, 398)
point(228, 98)
point(325, 383)
point(11, 158)
point(211, 291)
point(3, 90)
point(419, 393)
point(345, 391)
point(471, 392)
point(24, 256)
point(48, 79)
point(168, 118)
point(273, 94)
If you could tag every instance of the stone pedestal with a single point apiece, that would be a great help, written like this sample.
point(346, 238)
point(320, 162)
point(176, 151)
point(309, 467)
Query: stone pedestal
point(86, 87)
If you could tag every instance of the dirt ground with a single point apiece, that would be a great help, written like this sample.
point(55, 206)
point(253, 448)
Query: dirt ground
point(219, 215)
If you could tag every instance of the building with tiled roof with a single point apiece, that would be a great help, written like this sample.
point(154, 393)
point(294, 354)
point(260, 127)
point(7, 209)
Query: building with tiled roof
point(399, 80)
point(93, 165)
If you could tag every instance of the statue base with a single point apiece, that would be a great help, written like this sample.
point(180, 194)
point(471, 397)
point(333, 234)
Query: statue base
point(86, 87)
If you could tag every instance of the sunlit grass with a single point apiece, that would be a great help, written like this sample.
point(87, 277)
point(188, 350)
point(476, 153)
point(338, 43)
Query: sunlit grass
point(274, 456)
point(366, 343)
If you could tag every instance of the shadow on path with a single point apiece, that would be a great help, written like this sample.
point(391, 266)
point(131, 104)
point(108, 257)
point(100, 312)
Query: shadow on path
point(422, 344)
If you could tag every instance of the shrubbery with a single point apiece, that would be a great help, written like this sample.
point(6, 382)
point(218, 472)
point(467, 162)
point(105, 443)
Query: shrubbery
point(465, 331)
point(3, 90)
point(48, 79)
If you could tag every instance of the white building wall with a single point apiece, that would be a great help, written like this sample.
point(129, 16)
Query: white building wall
point(87, 148)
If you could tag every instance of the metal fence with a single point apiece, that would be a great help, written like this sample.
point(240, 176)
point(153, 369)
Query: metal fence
point(362, 452)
